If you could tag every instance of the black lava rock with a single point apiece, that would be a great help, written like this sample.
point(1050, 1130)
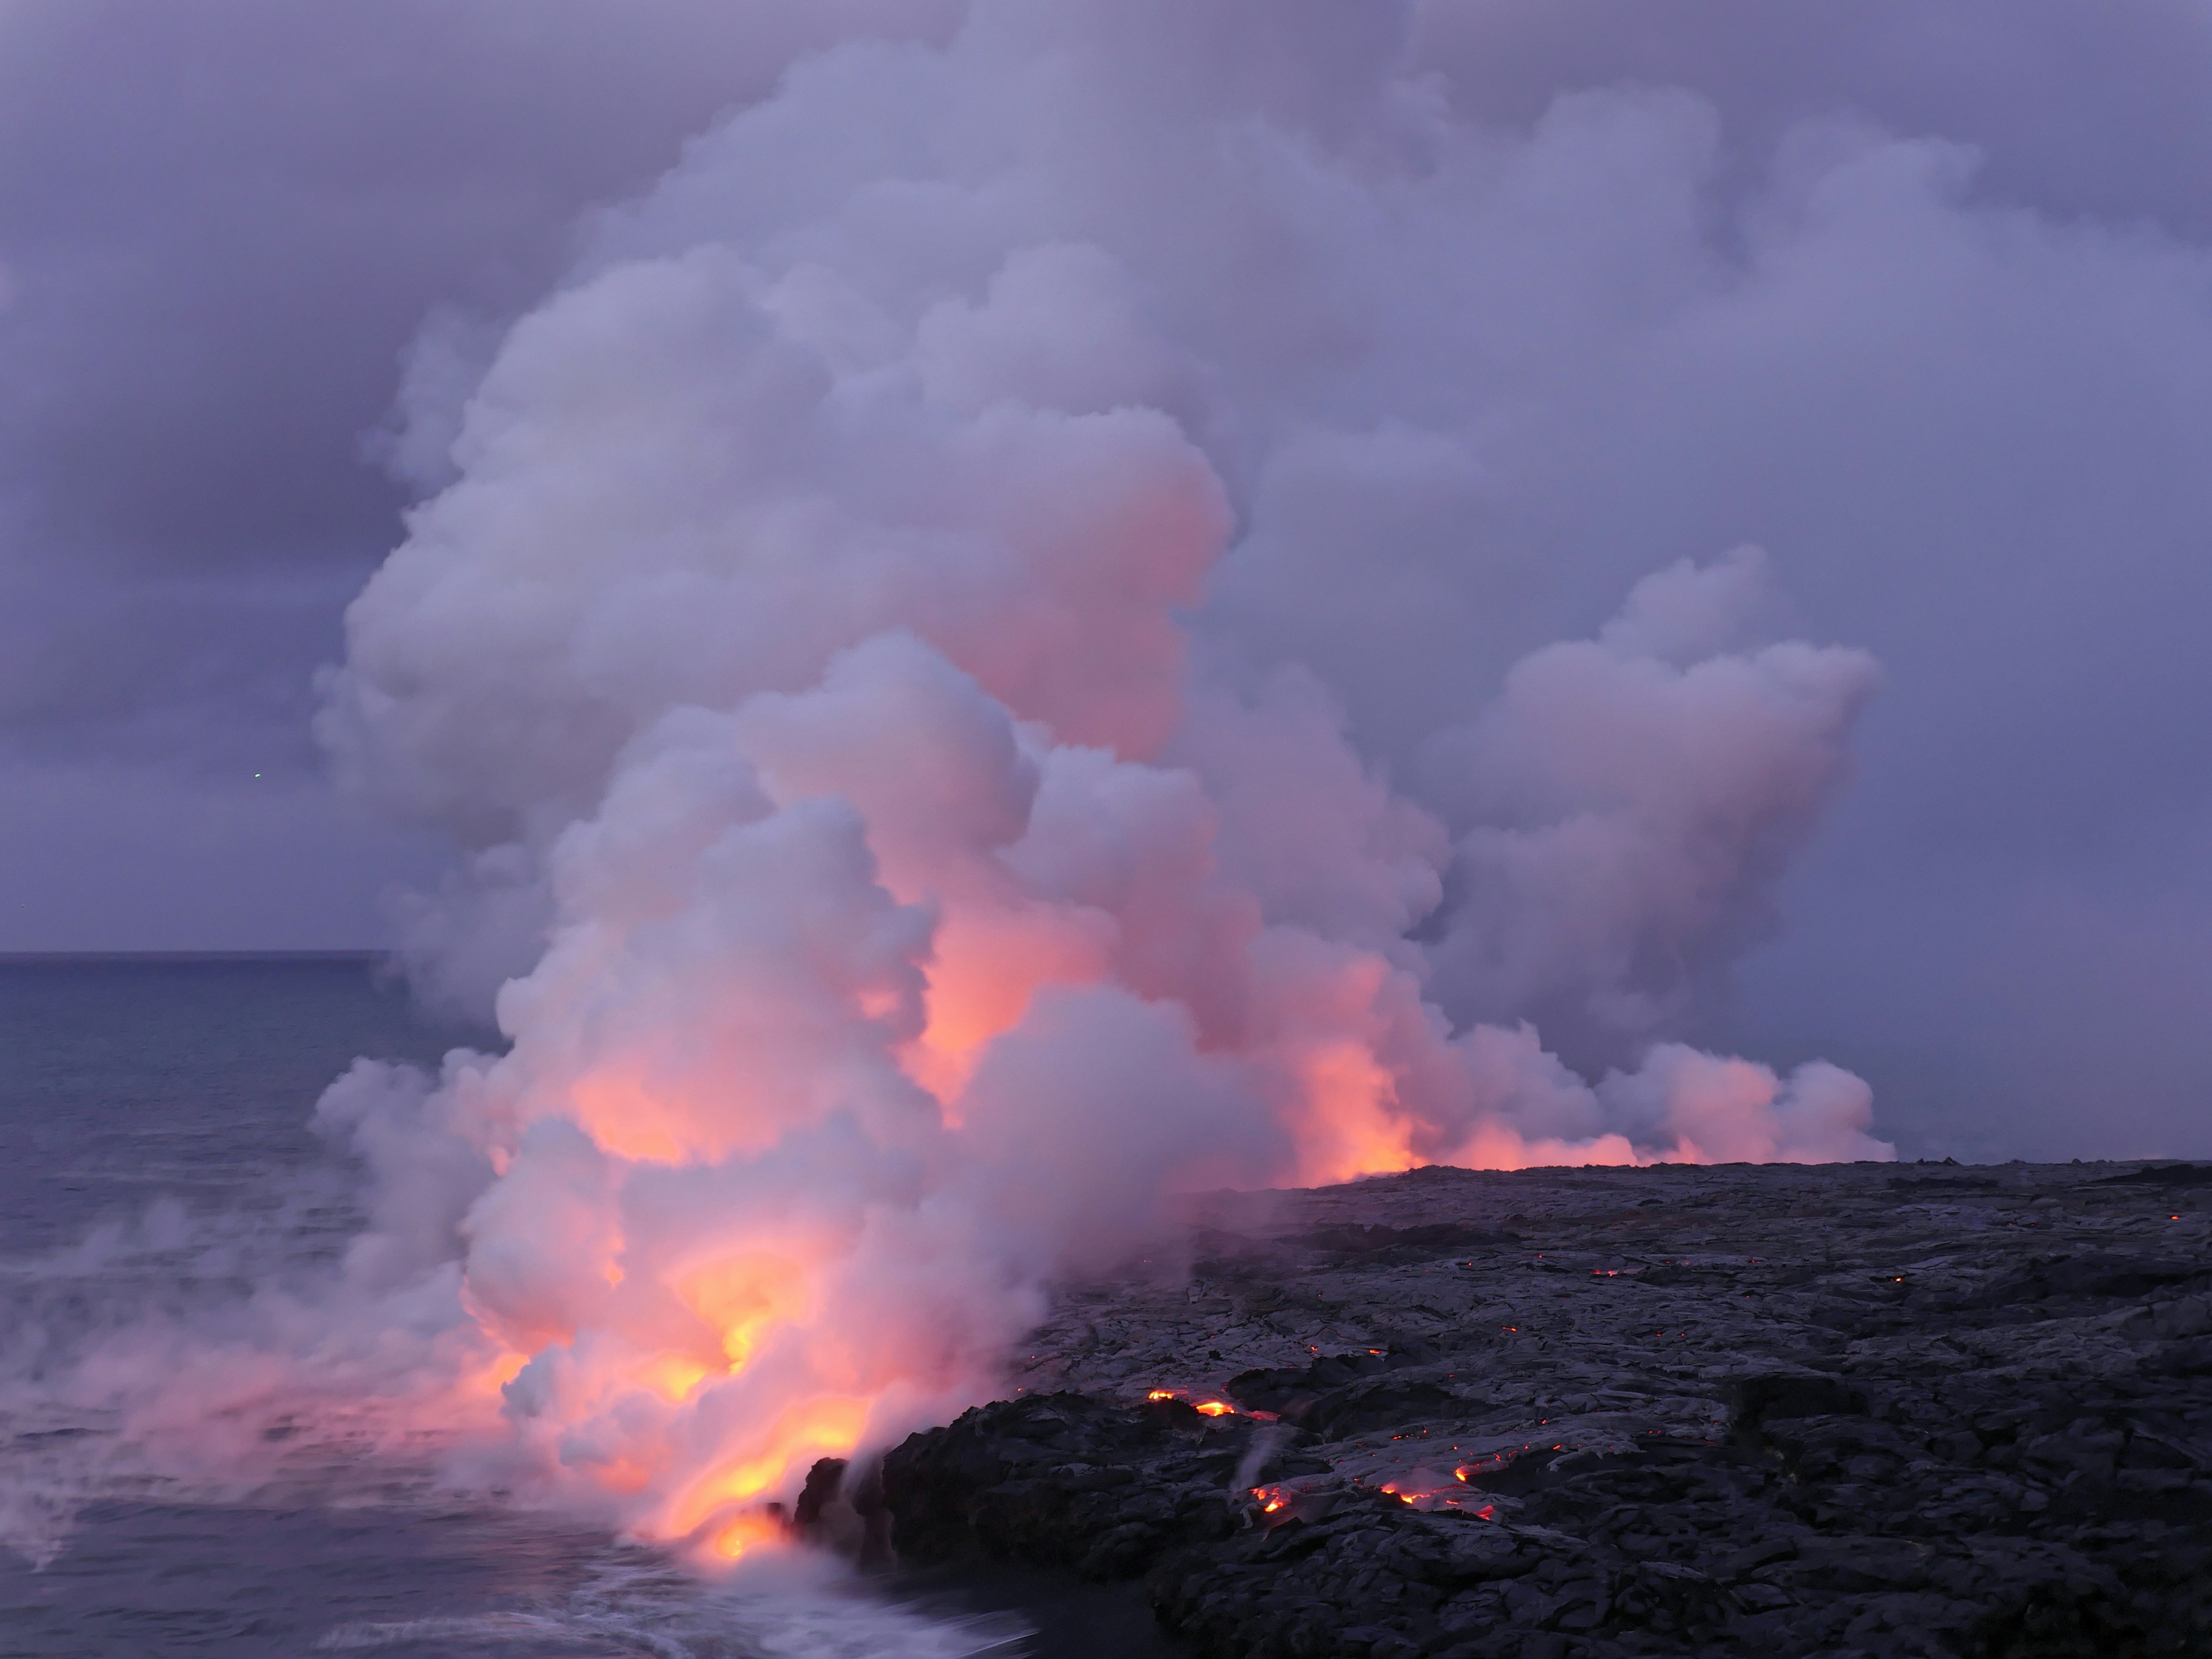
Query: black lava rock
point(1857, 1413)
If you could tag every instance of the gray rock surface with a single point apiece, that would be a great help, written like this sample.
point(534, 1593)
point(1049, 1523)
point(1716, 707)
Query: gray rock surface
point(1844, 1409)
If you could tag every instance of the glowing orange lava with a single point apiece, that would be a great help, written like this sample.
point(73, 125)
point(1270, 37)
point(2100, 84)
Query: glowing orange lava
point(1203, 1407)
point(826, 1426)
point(751, 1531)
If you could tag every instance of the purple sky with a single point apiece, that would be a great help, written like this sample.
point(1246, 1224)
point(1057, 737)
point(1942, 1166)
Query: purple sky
point(1980, 453)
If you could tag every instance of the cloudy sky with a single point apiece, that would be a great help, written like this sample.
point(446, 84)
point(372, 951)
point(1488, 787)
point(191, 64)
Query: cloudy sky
point(1918, 298)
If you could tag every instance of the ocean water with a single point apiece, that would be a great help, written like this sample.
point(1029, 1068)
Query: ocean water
point(156, 1162)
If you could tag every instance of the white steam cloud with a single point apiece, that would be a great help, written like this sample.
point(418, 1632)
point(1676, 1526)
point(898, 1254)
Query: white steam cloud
point(854, 638)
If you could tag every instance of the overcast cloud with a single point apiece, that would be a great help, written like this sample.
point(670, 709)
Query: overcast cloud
point(1918, 298)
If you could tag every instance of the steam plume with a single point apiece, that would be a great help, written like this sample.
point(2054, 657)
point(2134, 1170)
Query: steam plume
point(913, 879)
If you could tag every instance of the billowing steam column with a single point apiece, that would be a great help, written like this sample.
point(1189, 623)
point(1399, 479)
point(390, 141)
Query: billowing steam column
point(895, 916)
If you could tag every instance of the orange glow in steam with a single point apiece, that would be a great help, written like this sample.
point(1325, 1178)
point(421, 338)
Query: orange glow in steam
point(752, 1531)
point(486, 1382)
point(1350, 1125)
point(625, 1118)
point(743, 1297)
point(674, 1376)
point(985, 966)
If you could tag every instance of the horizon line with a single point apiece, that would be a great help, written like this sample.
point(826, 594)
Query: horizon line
point(35, 958)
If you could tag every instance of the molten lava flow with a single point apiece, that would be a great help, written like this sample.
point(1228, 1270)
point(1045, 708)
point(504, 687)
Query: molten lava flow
point(814, 1429)
point(1431, 1489)
point(751, 1531)
point(1203, 1407)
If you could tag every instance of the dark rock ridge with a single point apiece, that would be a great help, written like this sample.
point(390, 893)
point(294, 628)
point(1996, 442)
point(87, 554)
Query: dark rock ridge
point(1575, 1414)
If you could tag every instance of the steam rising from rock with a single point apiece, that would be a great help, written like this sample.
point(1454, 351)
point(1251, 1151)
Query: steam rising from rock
point(913, 875)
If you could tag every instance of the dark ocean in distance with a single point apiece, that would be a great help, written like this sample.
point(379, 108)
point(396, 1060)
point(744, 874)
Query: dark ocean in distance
point(156, 1157)
point(124, 1080)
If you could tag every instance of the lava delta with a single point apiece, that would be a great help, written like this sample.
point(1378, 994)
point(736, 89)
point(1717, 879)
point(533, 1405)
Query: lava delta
point(1569, 1413)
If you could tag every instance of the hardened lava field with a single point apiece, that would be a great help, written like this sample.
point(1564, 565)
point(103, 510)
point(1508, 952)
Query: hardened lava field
point(1860, 1410)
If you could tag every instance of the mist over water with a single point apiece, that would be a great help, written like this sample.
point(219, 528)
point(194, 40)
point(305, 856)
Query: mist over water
point(159, 1167)
point(128, 1081)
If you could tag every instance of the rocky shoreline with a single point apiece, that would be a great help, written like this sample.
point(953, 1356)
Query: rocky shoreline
point(1851, 1410)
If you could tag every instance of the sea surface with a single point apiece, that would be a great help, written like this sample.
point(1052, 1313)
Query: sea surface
point(156, 1159)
